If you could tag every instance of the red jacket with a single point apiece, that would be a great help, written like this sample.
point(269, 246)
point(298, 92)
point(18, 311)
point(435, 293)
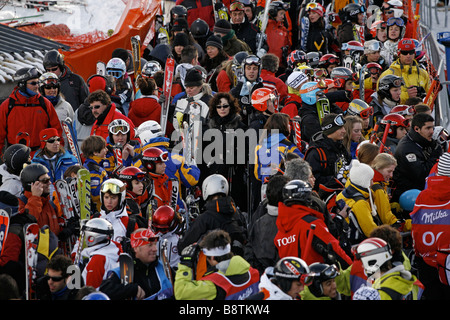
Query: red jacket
point(292, 104)
point(272, 82)
point(277, 38)
point(27, 115)
point(102, 129)
point(144, 109)
point(202, 9)
point(294, 225)
point(430, 218)
point(223, 82)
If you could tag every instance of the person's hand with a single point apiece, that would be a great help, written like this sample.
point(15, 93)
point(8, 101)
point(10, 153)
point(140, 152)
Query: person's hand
point(412, 91)
point(140, 294)
point(127, 151)
point(37, 188)
point(189, 255)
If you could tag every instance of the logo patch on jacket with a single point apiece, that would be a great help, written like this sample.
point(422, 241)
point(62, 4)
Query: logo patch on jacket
point(411, 157)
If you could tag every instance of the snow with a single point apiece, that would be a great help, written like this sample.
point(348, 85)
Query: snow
point(96, 15)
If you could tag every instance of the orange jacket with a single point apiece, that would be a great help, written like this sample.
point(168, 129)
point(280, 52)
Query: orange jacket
point(277, 38)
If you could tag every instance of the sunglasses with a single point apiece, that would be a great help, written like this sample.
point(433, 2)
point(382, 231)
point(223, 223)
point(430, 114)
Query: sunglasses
point(54, 279)
point(366, 113)
point(50, 86)
point(45, 180)
point(119, 129)
point(52, 69)
point(53, 140)
point(223, 107)
point(410, 52)
point(95, 107)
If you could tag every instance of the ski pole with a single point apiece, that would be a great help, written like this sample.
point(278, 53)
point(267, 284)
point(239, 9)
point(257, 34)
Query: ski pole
point(385, 134)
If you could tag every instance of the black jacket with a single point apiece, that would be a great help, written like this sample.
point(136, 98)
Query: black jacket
point(74, 88)
point(415, 157)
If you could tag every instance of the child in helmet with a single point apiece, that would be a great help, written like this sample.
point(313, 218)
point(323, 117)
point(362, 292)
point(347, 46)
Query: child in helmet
point(323, 285)
point(395, 32)
point(137, 197)
point(387, 95)
point(396, 127)
point(124, 93)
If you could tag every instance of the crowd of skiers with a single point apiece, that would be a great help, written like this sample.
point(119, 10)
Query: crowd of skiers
point(341, 194)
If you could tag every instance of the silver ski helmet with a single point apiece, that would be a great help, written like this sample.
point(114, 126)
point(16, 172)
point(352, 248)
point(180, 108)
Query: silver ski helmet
point(214, 184)
point(97, 230)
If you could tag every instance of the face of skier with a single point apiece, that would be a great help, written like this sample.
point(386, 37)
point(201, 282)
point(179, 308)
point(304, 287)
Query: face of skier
point(313, 16)
point(348, 85)
point(147, 253)
point(329, 288)
point(97, 108)
point(223, 109)
point(53, 145)
point(192, 91)
point(338, 135)
point(44, 182)
point(212, 51)
point(382, 34)
point(296, 288)
point(251, 72)
point(426, 131)
point(102, 153)
point(237, 16)
point(33, 85)
point(356, 133)
point(160, 167)
point(401, 132)
point(388, 172)
point(280, 16)
point(373, 57)
point(249, 13)
point(407, 57)
point(178, 49)
point(55, 280)
point(137, 187)
point(394, 32)
point(360, 18)
point(120, 138)
point(110, 201)
point(395, 93)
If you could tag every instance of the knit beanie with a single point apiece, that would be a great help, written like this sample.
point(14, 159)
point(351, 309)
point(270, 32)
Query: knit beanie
point(193, 78)
point(222, 26)
point(361, 174)
point(329, 126)
point(47, 134)
point(214, 41)
point(181, 39)
point(443, 167)
point(179, 24)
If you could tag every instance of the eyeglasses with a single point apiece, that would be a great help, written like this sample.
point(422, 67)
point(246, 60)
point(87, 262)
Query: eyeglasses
point(397, 21)
point(95, 107)
point(237, 6)
point(45, 180)
point(410, 52)
point(53, 140)
point(115, 73)
point(366, 113)
point(52, 69)
point(223, 107)
point(119, 129)
point(112, 188)
point(33, 83)
point(54, 279)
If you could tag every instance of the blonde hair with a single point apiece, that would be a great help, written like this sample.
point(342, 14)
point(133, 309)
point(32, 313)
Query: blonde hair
point(349, 122)
point(383, 160)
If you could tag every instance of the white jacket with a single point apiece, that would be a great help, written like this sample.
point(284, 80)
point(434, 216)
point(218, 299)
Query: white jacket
point(10, 182)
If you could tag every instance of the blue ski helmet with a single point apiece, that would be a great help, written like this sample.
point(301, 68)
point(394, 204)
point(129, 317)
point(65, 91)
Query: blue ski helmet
point(408, 199)
point(310, 96)
point(97, 295)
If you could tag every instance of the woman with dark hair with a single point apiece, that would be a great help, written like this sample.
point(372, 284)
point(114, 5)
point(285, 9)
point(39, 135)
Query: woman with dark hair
point(52, 155)
point(212, 61)
point(224, 116)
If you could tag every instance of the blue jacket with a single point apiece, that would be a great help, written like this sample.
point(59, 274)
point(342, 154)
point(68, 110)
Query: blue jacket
point(58, 166)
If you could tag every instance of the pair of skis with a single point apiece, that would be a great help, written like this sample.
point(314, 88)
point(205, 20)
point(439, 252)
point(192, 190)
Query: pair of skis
point(69, 131)
point(167, 91)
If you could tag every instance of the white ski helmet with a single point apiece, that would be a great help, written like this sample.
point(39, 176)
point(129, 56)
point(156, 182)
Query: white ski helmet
point(114, 186)
point(373, 253)
point(150, 68)
point(397, 6)
point(214, 184)
point(98, 230)
point(116, 67)
point(148, 130)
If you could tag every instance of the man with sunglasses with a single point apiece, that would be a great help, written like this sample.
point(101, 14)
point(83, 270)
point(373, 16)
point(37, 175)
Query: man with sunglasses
point(417, 80)
point(26, 111)
point(73, 86)
point(53, 285)
point(104, 111)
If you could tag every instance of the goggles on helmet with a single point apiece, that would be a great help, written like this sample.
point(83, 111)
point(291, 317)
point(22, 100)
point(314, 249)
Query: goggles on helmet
point(112, 188)
point(366, 113)
point(397, 21)
point(119, 129)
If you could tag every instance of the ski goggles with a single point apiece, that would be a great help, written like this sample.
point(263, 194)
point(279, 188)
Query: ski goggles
point(320, 72)
point(338, 121)
point(395, 21)
point(252, 60)
point(346, 46)
point(112, 188)
point(115, 73)
point(407, 111)
point(330, 272)
point(333, 60)
point(374, 71)
point(237, 6)
point(139, 176)
point(359, 255)
point(313, 6)
point(366, 113)
point(404, 123)
point(319, 85)
point(374, 46)
point(163, 157)
point(398, 82)
point(119, 129)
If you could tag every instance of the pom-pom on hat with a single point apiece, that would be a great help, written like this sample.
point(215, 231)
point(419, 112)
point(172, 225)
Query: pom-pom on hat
point(361, 174)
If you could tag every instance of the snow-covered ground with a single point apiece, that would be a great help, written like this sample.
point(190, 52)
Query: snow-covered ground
point(96, 15)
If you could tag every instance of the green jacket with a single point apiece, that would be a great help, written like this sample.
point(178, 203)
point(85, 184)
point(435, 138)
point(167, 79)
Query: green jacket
point(398, 284)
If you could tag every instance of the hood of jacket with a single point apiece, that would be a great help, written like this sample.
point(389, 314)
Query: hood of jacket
point(288, 216)
point(222, 205)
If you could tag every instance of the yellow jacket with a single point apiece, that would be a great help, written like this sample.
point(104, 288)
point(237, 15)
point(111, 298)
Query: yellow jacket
point(412, 75)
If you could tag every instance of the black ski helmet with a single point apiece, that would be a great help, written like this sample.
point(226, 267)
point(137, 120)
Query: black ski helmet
point(320, 273)
point(200, 29)
point(386, 83)
point(52, 59)
point(352, 10)
point(178, 11)
point(297, 192)
point(24, 74)
point(276, 6)
point(31, 173)
point(15, 157)
point(289, 269)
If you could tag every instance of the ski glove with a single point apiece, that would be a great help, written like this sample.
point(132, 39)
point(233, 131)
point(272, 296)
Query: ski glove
point(189, 255)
